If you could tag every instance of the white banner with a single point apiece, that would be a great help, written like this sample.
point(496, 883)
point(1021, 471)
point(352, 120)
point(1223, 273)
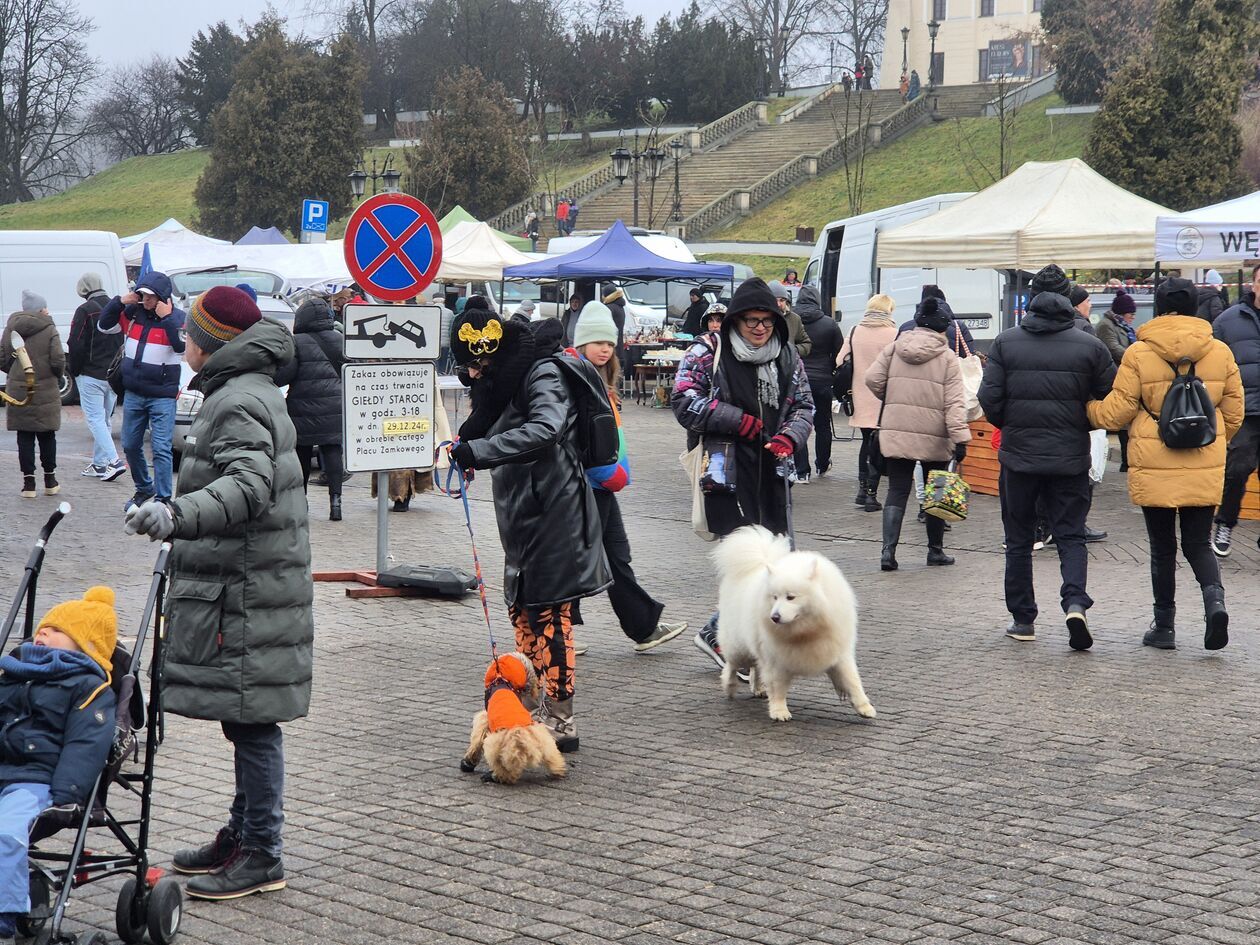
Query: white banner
point(1200, 242)
point(388, 415)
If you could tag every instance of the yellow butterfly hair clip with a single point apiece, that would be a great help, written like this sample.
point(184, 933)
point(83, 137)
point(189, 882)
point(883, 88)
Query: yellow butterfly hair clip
point(481, 341)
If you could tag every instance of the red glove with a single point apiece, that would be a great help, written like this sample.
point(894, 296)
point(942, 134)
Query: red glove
point(996, 440)
point(750, 427)
point(780, 446)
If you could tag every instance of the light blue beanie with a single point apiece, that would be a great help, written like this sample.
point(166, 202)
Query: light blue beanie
point(595, 324)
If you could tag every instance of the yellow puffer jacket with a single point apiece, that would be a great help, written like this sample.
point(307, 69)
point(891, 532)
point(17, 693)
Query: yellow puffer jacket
point(1158, 476)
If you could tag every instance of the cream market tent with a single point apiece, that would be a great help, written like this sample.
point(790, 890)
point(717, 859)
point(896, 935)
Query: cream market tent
point(172, 233)
point(459, 215)
point(472, 251)
point(1222, 233)
point(1045, 212)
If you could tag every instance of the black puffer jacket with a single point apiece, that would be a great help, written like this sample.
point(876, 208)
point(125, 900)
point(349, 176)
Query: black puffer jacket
point(1239, 327)
point(548, 523)
point(1210, 304)
point(825, 337)
point(1039, 377)
point(314, 376)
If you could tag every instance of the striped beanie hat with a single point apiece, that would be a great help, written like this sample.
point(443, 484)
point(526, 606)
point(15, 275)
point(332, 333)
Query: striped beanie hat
point(218, 315)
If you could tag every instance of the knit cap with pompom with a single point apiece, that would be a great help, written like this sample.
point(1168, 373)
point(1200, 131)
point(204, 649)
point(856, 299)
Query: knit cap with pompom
point(91, 623)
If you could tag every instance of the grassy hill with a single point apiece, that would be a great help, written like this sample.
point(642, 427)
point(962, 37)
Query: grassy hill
point(939, 158)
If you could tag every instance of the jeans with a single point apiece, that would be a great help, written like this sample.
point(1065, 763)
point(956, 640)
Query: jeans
point(47, 451)
point(258, 807)
point(98, 399)
point(637, 611)
point(822, 432)
point(901, 473)
point(1242, 456)
point(1066, 500)
point(20, 804)
point(1196, 545)
point(157, 414)
point(330, 461)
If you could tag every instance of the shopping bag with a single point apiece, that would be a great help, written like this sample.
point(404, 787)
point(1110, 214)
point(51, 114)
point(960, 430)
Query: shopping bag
point(972, 374)
point(945, 495)
point(693, 462)
point(1098, 449)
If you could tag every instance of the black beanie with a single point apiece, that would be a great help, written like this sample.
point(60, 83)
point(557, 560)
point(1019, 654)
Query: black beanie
point(1123, 304)
point(931, 291)
point(752, 294)
point(1050, 279)
point(1077, 295)
point(1176, 297)
point(933, 313)
point(477, 302)
point(475, 333)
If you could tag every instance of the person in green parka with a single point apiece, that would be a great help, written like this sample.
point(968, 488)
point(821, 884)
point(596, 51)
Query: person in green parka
point(239, 620)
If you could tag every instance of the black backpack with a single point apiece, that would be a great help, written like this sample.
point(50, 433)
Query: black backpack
point(598, 440)
point(1187, 419)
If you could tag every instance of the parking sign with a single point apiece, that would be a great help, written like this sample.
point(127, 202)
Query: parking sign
point(314, 221)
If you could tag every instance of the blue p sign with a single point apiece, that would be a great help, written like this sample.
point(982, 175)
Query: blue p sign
point(314, 216)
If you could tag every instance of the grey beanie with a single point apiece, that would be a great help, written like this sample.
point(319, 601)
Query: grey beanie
point(88, 283)
point(33, 301)
point(779, 290)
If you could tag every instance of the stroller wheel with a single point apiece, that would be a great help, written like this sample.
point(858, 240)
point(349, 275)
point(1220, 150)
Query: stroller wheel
point(129, 917)
point(165, 909)
point(29, 925)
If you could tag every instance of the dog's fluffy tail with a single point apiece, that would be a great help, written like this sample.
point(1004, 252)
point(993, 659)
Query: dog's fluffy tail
point(748, 550)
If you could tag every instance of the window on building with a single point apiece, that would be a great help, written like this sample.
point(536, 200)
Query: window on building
point(1036, 6)
point(984, 65)
point(986, 7)
point(1038, 66)
point(938, 9)
point(936, 70)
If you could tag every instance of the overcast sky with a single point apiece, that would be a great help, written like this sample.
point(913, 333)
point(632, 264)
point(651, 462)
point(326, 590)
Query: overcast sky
point(126, 29)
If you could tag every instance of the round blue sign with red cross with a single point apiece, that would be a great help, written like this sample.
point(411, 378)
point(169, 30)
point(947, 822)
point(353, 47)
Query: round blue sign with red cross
point(393, 247)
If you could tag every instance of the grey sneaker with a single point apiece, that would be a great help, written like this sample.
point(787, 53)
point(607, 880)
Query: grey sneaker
point(114, 470)
point(1220, 540)
point(557, 716)
point(663, 633)
point(92, 471)
point(1078, 630)
point(580, 649)
point(1023, 632)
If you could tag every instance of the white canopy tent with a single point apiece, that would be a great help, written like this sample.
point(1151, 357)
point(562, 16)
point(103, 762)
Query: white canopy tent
point(1044, 212)
point(300, 264)
point(472, 251)
point(1222, 233)
point(171, 233)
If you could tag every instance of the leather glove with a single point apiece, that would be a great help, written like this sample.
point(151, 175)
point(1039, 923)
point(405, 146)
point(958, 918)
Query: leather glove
point(960, 452)
point(749, 427)
point(462, 456)
point(781, 446)
point(154, 519)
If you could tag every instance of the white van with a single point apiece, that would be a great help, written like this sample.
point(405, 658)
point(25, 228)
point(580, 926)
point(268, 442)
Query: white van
point(50, 262)
point(844, 271)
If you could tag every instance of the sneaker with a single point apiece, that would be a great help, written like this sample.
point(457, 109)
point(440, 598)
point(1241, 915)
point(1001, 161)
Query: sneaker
point(706, 642)
point(580, 649)
point(1220, 539)
point(28, 487)
point(802, 480)
point(51, 485)
point(557, 717)
point(247, 872)
point(1023, 632)
point(138, 499)
point(114, 470)
point(1078, 630)
point(92, 471)
point(826, 469)
point(663, 633)
point(208, 857)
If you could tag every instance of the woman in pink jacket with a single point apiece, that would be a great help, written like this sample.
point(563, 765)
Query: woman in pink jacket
point(923, 419)
point(867, 340)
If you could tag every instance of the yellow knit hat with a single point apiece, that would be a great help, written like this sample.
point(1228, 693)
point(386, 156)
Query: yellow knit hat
point(91, 623)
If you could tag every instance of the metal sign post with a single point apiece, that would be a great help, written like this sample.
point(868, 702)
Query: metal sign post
point(314, 228)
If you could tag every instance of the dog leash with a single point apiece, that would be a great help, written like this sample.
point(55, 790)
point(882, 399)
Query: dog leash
point(455, 474)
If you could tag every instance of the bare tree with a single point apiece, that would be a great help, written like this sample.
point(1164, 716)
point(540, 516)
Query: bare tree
point(44, 76)
point(1008, 99)
point(140, 112)
point(779, 26)
point(850, 113)
point(858, 28)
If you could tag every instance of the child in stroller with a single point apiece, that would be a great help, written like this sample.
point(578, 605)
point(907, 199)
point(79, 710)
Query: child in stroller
point(57, 713)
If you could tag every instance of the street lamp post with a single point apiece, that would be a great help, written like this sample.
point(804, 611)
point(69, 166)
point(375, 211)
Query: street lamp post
point(933, 29)
point(677, 147)
point(905, 38)
point(783, 78)
point(388, 174)
point(626, 164)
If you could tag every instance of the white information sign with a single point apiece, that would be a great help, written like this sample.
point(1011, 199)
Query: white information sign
point(387, 412)
point(393, 332)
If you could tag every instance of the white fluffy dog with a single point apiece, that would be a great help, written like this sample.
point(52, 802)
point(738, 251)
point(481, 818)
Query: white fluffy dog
point(784, 614)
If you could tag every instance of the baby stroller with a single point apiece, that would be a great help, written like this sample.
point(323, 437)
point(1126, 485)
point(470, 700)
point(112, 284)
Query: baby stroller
point(148, 900)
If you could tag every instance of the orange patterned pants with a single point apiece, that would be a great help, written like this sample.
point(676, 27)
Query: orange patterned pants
point(545, 635)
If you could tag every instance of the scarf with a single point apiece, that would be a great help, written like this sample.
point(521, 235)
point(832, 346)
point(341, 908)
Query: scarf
point(877, 320)
point(32, 663)
point(766, 360)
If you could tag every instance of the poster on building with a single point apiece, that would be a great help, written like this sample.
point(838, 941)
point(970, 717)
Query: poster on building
point(1008, 57)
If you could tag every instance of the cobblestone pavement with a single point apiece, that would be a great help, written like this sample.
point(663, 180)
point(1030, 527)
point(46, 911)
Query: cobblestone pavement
point(1006, 793)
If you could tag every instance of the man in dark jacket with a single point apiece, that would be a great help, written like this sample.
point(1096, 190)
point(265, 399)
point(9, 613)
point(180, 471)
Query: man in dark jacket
point(961, 348)
point(693, 318)
point(154, 347)
point(1239, 327)
point(90, 355)
point(796, 330)
point(1038, 379)
point(239, 606)
point(826, 340)
point(523, 427)
point(1083, 304)
point(1210, 302)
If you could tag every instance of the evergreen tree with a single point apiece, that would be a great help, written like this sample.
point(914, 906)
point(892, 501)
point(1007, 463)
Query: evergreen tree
point(291, 128)
point(205, 77)
point(1167, 129)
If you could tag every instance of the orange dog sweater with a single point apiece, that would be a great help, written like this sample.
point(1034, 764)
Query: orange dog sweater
point(506, 679)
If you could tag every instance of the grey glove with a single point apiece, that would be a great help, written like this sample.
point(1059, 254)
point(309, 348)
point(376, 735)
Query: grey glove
point(154, 519)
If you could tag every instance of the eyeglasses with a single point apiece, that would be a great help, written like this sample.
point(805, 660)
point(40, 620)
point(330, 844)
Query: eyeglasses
point(757, 322)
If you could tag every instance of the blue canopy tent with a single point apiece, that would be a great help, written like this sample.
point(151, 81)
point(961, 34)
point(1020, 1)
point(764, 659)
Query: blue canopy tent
point(257, 236)
point(618, 255)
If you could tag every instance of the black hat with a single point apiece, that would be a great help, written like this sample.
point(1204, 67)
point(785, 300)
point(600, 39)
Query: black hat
point(476, 302)
point(752, 294)
point(1123, 304)
point(1050, 279)
point(1077, 295)
point(933, 313)
point(932, 292)
point(475, 333)
point(1176, 297)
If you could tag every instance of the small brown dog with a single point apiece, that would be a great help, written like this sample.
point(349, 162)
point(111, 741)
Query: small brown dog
point(505, 732)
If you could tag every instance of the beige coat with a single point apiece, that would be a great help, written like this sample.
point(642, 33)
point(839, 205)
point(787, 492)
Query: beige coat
point(868, 342)
point(919, 380)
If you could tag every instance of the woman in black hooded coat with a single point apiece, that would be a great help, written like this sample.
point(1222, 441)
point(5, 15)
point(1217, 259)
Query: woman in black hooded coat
point(314, 399)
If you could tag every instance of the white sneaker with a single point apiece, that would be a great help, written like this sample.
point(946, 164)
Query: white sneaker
point(663, 633)
point(92, 471)
point(114, 470)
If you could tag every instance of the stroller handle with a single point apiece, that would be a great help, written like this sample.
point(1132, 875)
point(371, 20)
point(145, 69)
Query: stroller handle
point(151, 602)
point(62, 510)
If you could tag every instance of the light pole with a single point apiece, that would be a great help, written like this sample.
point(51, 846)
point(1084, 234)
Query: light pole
point(626, 164)
point(677, 147)
point(933, 29)
point(783, 78)
point(387, 173)
point(831, 61)
point(905, 38)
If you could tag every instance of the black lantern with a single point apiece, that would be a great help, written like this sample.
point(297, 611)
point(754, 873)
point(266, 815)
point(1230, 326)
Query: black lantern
point(621, 163)
point(358, 181)
point(933, 29)
point(391, 178)
point(655, 159)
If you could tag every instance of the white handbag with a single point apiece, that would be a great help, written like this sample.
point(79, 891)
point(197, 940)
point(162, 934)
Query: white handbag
point(693, 462)
point(972, 374)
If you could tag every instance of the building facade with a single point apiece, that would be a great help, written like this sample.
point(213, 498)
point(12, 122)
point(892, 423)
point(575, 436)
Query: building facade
point(978, 40)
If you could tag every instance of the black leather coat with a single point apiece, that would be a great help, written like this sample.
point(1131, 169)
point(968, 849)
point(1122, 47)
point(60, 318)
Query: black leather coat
point(314, 376)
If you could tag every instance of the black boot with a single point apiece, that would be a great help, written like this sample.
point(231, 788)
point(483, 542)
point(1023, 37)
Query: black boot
point(872, 487)
point(1216, 634)
point(936, 541)
point(860, 498)
point(1162, 636)
point(334, 508)
point(28, 486)
point(893, 514)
